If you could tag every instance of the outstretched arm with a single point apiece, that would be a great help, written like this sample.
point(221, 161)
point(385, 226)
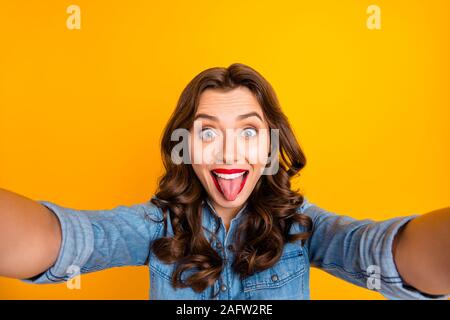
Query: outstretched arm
point(30, 236)
point(40, 240)
point(362, 252)
point(422, 252)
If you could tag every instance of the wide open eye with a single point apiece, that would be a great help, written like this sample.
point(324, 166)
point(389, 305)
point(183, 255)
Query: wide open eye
point(207, 134)
point(249, 132)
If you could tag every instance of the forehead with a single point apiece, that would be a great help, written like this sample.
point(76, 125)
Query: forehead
point(222, 103)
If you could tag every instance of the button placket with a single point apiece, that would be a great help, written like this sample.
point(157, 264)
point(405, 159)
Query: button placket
point(225, 250)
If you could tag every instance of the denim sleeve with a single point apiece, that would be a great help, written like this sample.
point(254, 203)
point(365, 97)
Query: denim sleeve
point(93, 240)
point(359, 251)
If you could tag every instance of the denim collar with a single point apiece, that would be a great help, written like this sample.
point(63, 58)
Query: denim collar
point(207, 202)
point(209, 213)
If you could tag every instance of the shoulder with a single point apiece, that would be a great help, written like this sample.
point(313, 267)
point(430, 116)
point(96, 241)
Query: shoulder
point(305, 205)
point(314, 211)
point(304, 209)
point(150, 209)
point(308, 208)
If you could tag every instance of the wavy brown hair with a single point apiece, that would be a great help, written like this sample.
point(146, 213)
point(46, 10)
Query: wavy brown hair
point(271, 207)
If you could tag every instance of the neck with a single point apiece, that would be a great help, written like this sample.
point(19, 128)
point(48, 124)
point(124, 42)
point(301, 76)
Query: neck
point(226, 214)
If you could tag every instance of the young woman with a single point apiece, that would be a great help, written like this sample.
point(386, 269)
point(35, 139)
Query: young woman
point(224, 222)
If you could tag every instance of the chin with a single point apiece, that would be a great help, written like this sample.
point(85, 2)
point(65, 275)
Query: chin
point(240, 200)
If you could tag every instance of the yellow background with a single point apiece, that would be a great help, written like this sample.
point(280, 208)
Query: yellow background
point(82, 111)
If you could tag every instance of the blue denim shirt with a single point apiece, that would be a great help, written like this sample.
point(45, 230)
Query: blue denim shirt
point(358, 251)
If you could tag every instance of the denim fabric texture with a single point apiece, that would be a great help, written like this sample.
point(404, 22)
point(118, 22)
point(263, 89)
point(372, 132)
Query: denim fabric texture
point(345, 247)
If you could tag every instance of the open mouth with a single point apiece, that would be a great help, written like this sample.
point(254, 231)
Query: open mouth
point(229, 182)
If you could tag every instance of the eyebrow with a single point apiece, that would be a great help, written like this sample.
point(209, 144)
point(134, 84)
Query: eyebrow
point(240, 117)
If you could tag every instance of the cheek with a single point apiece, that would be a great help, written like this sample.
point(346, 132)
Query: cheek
point(256, 151)
point(201, 172)
point(209, 152)
point(202, 152)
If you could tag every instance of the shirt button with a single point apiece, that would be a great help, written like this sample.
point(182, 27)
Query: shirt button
point(274, 277)
point(223, 288)
point(230, 247)
point(218, 245)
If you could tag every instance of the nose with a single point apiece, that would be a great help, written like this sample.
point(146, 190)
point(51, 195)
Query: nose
point(229, 145)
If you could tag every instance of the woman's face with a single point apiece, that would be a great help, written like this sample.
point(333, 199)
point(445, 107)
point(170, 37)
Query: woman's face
point(229, 145)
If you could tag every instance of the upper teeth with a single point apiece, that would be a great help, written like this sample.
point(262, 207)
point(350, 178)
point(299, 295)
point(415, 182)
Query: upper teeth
point(229, 176)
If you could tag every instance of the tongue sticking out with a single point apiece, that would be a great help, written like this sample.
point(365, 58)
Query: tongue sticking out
point(230, 187)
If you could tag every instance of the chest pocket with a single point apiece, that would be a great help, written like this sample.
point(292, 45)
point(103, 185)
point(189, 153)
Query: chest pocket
point(284, 280)
point(161, 283)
